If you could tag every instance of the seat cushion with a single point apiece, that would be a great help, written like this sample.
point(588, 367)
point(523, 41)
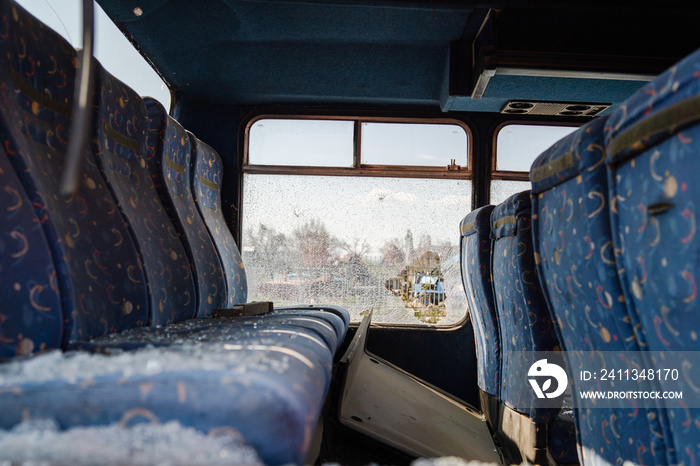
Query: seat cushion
point(268, 388)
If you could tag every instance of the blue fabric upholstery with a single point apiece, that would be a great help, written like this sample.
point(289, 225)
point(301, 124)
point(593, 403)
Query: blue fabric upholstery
point(522, 311)
point(525, 321)
point(170, 164)
point(30, 306)
point(576, 263)
point(121, 127)
point(98, 273)
point(476, 248)
point(654, 159)
point(322, 323)
point(337, 317)
point(561, 440)
point(119, 264)
point(202, 329)
point(314, 336)
point(267, 387)
point(207, 175)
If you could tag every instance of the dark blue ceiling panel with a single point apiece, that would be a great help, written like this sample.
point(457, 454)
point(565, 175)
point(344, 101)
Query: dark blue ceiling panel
point(378, 53)
point(262, 52)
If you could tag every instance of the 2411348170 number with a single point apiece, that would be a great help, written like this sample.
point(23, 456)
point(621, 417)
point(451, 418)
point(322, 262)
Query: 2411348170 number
point(639, 374)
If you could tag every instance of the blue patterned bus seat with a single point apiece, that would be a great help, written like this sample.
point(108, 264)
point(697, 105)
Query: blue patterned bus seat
point(121, 151)
point(522, 311)
point(525, 321)
point(266, 388)
point(206, 176)
point(476, 248)
point(316, 337)
point(336, 316)
point(576, 263)
point(202, 329)
point(98, 273)
point(169, 161)
point(653, 157)
point(30, 307)
point(263, 377)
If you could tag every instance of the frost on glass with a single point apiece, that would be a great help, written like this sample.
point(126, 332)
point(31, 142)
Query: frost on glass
point(390, 245)
point(503, 189)
point(430, 145)
point(517, 146)
point(321, 143)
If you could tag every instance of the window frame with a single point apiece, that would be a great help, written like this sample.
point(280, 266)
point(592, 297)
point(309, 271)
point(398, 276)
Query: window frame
point(512, 175)
point(360, 169)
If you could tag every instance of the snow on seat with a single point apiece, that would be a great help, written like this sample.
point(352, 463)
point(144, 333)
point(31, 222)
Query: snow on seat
point(264, 387)
point(169, 443)
point(226, 329)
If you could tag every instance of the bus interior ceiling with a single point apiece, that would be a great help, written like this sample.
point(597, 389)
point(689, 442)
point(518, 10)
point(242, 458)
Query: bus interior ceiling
point(228, 62)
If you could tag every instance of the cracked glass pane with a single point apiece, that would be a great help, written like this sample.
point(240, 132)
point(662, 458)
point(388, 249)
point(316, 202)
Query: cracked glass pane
point(386, 244)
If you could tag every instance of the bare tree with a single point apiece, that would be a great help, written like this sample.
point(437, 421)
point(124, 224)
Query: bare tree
point(315, 243)
point(393, 253)
point(356, 247)
point(270, 249)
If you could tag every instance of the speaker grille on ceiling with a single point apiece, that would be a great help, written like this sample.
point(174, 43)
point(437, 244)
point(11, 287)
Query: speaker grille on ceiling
point(523, 107)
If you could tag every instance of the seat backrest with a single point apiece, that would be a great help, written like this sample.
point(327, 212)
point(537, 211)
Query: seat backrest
point(30, 305)
point(207, 175)
point(577, 266)
point(524, 318)
point(99, 275)
point(170, 165)
point(121, 128)
point(653, 155)
point(476, 248)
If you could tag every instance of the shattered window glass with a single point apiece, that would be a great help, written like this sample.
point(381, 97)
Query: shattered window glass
point(389, 244)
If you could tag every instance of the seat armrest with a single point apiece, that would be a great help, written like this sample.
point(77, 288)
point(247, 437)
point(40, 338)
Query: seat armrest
point(255, 308)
